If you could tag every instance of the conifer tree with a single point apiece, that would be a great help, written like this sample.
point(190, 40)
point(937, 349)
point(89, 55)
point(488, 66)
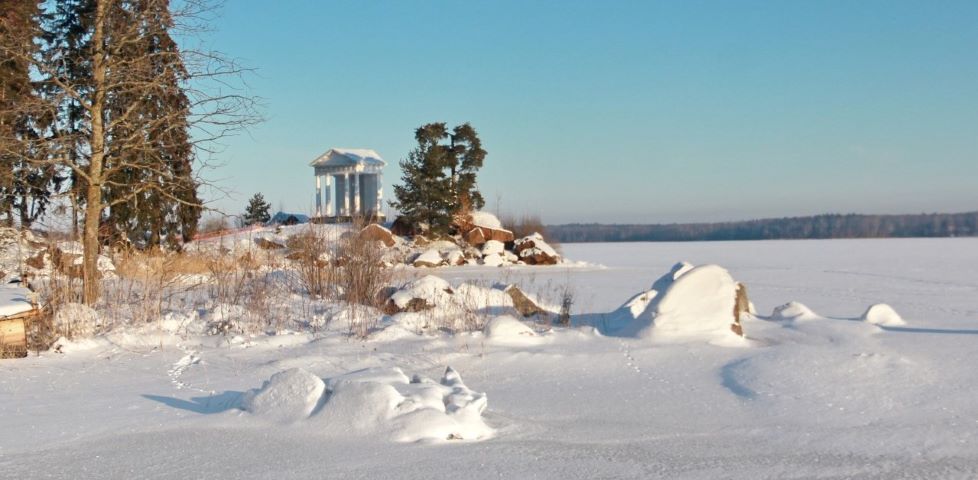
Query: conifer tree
point(257, 211)
point(162, 155)
point(439, 176)
point(25, 188)
point(425, 198)
point(124, 99)
point(467, 157)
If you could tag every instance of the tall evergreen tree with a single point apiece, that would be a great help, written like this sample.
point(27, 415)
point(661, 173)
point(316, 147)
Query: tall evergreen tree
point(67, 59)
point(118, 86)
point(25, 187)
point(257, 211)
point(425, 198)
point(439, 176)
point(466, 160)
point(167, 208)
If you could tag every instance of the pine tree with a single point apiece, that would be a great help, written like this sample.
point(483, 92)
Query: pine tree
point(425, 198)
point(257, 210)
point(439, 176)
point(467, 157)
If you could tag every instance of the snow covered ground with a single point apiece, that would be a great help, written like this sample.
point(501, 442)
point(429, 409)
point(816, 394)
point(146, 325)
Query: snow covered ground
point(828, 395)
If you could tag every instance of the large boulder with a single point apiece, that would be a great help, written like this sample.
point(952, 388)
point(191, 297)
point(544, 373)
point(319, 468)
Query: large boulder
point(421, 294)
point(480, 235)
point(534, 250)
point(404, 228)
point(523, 303)
point(429, 259)
point(377, 233)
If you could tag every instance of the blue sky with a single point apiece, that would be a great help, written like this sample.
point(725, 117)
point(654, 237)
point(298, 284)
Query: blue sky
point(623, 111)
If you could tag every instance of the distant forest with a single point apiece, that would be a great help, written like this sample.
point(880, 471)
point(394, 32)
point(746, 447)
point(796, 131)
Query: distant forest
point(819, 226)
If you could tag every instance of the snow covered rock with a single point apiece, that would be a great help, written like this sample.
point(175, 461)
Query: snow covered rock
point(699, 301)
point(75, 320)
point(533, 250)
point(882, 314)
point(429, 259)
point(493, 247)
point(522, 302)
point(480, 227)
point(421, 294)
point(687, 301)
point(493, 260)
point(287, 396)
point(792, 311)
point(486, 220)
point(507, 328)
point(455, 257)
point(377, 233)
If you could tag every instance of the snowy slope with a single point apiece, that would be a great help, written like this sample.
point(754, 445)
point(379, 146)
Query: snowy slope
point(832, 396)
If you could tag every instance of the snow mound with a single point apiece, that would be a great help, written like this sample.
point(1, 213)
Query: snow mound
point(431, 289)
point(882, 314)
point(686, 301)
point(288, 396)
point(75, 320)
point(493, 247)
point(792, 311)
point(507, 328)
point(419, 409)
point(701, 300)
point(429, 258)
point(487, 220)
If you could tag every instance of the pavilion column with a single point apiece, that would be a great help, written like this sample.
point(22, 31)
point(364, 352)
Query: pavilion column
point(319, 196)
point(346, 194)
point(328, 210)
point(380, 193)
point(356, 194)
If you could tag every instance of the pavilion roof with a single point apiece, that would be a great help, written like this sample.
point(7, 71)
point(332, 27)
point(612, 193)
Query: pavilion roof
point(339, 157)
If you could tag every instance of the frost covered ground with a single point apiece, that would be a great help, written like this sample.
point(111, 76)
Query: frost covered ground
point(818, 396)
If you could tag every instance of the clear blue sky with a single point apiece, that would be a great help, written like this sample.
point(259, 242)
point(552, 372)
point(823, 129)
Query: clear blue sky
point(624, 111)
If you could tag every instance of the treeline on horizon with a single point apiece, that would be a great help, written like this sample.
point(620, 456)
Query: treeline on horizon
point(812, 227)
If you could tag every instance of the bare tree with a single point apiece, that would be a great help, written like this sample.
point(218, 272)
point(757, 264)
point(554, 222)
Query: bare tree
point(116, 153)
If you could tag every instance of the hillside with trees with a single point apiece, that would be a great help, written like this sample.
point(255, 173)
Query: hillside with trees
point(818, 226)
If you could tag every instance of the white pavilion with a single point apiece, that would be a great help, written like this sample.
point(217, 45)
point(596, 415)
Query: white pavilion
point(349, 182)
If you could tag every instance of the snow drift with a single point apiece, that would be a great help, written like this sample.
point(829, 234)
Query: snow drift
point(882, 314)
point(375, 401)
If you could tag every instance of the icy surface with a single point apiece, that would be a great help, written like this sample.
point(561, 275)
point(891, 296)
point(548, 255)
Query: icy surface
point(834, 398)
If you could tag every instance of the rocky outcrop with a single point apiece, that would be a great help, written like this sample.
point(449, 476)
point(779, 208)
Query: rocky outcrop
point(533, 250)
point(522, 303)
point(741, 306)
point(478, 235)
point(377, 233)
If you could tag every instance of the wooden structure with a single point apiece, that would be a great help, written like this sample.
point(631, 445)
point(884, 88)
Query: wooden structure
point(16, 309)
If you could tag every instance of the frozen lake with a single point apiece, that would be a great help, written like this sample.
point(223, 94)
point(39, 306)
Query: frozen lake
point(826, 398)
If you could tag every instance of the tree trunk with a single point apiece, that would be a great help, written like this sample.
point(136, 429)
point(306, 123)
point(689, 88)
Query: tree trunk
point(93, 206)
